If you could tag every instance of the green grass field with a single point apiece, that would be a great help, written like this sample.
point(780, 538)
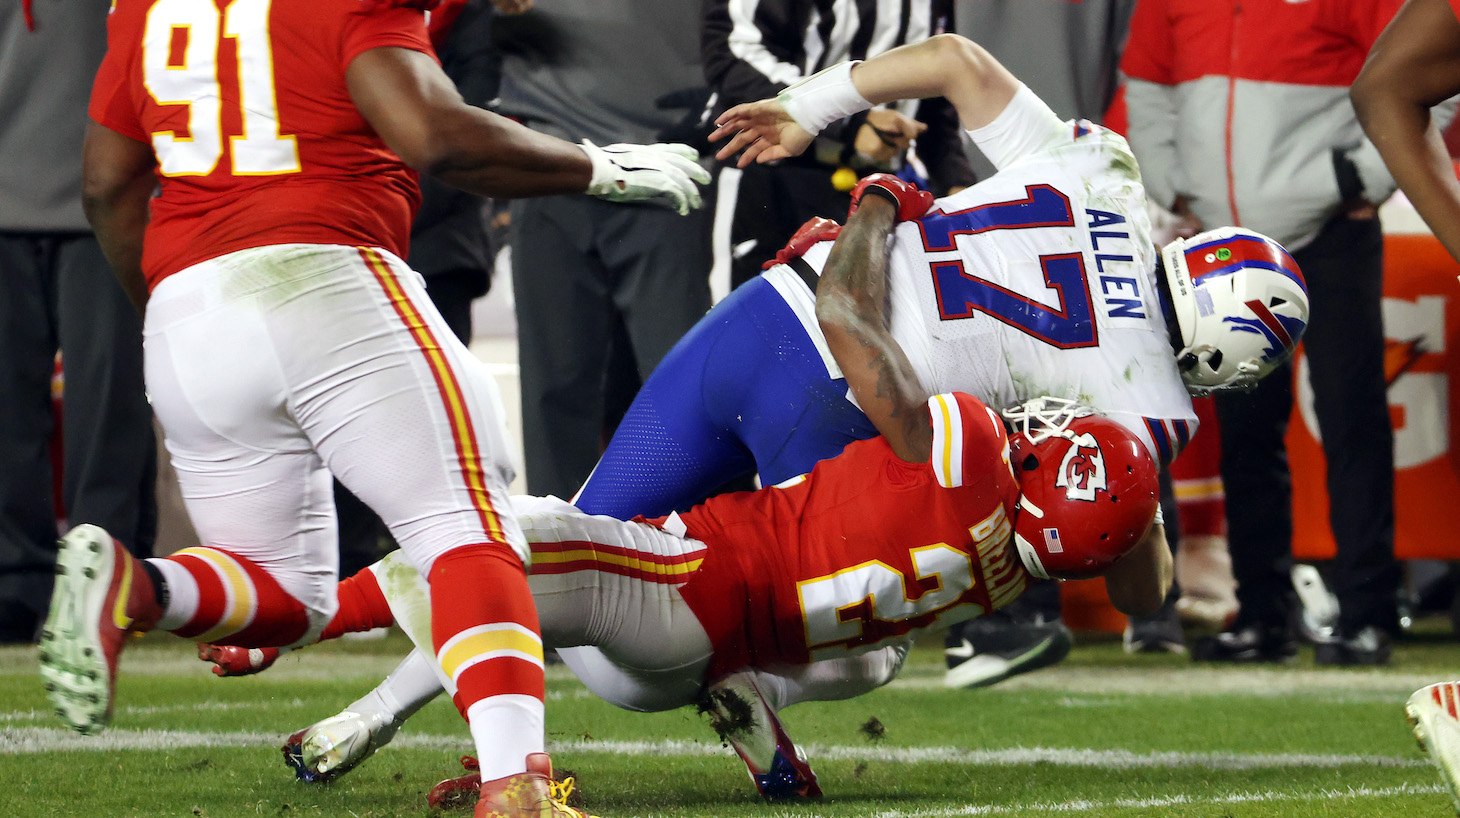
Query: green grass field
point(1102, 734)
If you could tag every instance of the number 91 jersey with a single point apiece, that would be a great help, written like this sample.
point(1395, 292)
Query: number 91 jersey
point(1040, 281)
point(862, 552)
point(257, 139)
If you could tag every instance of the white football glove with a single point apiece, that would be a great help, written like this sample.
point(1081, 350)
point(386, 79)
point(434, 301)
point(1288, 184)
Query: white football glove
point(664, 173)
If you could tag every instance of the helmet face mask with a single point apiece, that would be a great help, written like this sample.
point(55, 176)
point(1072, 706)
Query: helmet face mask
point(1240, 305)
point(1088, 489)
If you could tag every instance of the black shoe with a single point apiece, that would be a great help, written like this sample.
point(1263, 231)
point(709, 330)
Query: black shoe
point(1158, 633)
point(1247, 644)
point(992, 648)
point(1370, 646)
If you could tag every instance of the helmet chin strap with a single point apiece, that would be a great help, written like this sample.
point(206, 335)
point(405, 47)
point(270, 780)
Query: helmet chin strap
point(1168, 307)
point(1029, 557)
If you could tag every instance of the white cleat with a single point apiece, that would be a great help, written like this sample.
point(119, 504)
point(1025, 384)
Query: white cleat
point(1432, 712)
point(328, 749)
point(740, 716)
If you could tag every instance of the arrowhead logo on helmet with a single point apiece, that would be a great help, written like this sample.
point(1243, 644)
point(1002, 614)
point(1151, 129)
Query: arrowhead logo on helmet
point(1087, 489)
point(1082, 471)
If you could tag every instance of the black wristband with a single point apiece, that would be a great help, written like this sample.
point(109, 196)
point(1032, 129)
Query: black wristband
point(884, 193)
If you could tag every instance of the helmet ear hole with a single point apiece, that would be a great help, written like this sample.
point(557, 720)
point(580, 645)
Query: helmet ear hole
point(1215, 361)
point(1030, 463)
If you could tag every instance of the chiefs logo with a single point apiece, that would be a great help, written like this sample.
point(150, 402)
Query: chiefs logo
point(1082, 471)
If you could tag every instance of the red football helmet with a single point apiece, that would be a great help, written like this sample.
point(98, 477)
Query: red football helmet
point(1088, 489)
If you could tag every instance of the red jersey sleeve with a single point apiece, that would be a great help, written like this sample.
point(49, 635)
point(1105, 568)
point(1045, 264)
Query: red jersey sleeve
point(968, 439)
point(397, 27)
point(112, 104)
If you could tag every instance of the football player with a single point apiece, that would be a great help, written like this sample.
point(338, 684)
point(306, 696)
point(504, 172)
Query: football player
point(810, 589)
point(286, 340)
point(1414, 66)
point(1041, 280)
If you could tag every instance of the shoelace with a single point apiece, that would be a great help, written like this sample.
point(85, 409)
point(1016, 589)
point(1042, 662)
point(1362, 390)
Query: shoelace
point(560, 790)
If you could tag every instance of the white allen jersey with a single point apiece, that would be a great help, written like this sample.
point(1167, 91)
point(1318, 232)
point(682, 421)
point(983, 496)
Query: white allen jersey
point(1041, 281)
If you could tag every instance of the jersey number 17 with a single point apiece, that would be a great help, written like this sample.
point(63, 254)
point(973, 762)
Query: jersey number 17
point(1068, 324)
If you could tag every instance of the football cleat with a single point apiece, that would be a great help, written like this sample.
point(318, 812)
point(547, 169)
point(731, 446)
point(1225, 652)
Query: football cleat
point(533, 794)
point(1432, 714)
point(1158, 633)
point(328, 749)
point(997, 646)
point(102, 595)
point(740, 716)
point(230, 660)
point(459, 792)
point(1252, 643)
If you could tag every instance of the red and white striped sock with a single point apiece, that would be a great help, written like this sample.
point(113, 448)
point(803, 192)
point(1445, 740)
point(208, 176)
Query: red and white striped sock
point(485, 631)
point(216, 596)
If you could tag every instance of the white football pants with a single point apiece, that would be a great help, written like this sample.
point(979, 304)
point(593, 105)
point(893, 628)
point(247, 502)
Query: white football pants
point(274, 367)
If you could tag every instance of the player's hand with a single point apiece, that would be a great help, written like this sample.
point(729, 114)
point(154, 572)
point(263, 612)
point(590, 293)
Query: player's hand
point(814, 231)
point(663, 173)
point(234, 661)
point(910, 200)
point(886, 135)
point(760, 132)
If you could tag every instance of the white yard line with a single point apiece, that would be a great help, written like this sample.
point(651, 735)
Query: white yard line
point(30, 740)
point(1198, 680)
point(1076, 807)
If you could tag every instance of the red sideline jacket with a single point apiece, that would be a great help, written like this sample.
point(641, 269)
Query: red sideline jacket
point(1240, 105)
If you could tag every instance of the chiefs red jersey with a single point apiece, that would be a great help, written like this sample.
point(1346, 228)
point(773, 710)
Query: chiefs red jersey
point(257, 140)
point(864, 550)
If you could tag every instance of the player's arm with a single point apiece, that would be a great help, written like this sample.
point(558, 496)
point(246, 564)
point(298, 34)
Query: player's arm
point(117, 183)
point(414, 107)
point(1139, 581)
point(849, 308)
point(947, 65)
point(1413, 66)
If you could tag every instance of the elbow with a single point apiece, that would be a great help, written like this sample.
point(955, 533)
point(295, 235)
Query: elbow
point(1363, 95)
point(836, 309)
point(959, 56)
point(98, 198)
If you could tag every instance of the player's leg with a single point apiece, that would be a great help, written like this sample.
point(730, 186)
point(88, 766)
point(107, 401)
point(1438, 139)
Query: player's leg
point(746, 389)
point(743, 708)
point(330, 748)
point(671, 449)
point(410, 422)
point(797, 412)
point(256, 493)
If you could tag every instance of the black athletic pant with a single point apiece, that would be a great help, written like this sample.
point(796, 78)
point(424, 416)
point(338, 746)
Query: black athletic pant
point(57, 292)
point(1344, 345)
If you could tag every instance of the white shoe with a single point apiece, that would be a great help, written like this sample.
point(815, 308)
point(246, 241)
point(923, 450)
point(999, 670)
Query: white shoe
point(330, 748)
point(1432, 712)
point(740, 716)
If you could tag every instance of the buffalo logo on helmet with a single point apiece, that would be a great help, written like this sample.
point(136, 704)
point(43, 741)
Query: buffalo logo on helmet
point(1082, 471)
